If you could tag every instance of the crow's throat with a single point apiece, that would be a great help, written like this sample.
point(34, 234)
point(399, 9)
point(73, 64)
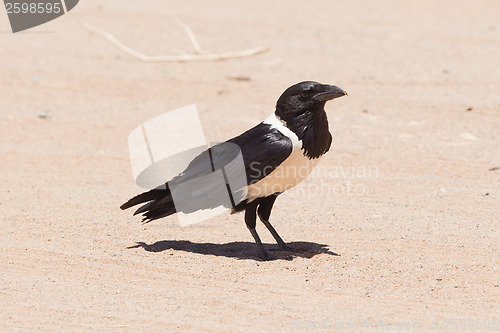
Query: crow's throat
point(312, 129)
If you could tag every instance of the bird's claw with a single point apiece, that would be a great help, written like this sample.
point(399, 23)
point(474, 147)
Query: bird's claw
point(265, 256)
point(285, 247)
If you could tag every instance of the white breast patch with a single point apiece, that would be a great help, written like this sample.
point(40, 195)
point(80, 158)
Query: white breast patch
point(292, 171)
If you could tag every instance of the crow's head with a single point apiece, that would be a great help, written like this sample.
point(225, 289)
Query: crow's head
point(307, 96)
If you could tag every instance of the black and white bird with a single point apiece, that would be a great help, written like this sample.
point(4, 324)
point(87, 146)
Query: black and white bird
point(278, 154)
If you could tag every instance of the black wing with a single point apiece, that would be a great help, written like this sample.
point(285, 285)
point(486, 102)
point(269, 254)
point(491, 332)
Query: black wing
point(263, 149)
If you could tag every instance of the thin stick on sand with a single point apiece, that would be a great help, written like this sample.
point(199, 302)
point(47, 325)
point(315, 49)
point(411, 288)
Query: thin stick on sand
point(200, 54)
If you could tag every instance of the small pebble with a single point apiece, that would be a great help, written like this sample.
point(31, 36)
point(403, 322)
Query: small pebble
point(468, 136)
point(238, 78)
point(43, 114)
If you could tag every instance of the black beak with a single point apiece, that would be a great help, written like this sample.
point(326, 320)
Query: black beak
point(330, 92)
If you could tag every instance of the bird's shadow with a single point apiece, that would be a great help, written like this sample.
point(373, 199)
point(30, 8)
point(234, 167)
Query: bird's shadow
point(240, 250)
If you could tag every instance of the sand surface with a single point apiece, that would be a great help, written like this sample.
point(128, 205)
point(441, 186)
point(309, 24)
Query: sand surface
point(400, 228)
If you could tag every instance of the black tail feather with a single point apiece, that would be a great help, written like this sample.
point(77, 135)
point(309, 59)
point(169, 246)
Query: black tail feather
point(159, 203)
point(145, 207)
point(145, 197)
point(158, 213)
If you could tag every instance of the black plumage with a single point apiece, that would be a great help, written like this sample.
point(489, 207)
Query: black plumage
point(297, 132)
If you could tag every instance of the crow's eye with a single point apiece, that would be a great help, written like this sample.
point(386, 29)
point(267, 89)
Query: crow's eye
point(304, 94)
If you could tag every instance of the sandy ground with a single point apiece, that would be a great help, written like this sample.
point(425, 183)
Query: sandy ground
point(399, 230)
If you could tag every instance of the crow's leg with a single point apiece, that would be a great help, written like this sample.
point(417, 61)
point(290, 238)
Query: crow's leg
point(250, 220)
point(264, 212)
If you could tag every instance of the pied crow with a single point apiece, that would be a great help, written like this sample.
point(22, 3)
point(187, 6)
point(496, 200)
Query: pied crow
point(278, 153)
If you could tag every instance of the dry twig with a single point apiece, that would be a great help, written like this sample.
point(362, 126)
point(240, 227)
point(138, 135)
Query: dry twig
point(200, 54)
point(192, 37)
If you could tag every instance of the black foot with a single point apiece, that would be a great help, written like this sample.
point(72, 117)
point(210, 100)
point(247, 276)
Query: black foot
point(285, 247)
point(264, 255)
